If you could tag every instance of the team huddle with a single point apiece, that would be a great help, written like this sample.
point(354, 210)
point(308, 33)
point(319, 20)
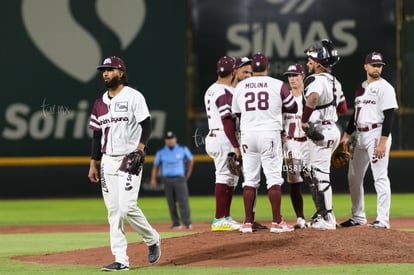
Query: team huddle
point(269, 126)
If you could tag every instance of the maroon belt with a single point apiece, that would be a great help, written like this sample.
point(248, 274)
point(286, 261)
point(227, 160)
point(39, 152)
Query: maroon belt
point(366, 129)
point(326, 122)
point(301, 139)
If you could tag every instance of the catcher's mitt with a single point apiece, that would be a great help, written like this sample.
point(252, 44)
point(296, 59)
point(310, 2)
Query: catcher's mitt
point(312, 133)
point(341, 155)
point(133, 162)
point(233, 164)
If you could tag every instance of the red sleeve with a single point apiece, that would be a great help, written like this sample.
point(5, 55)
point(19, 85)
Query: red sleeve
point(230, 129)
point(342, 108)
point(289, 103)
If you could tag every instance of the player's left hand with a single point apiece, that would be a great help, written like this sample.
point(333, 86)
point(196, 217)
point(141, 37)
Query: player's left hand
point(379, 151)
point(133, 162)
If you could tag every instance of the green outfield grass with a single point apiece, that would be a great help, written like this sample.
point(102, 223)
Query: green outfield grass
point(79, 211)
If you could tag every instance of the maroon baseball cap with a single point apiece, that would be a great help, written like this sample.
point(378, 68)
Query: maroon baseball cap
point(225, 65)
point(374, 58)
point(113, 62)
point(259, 62)
point(242, 61)
point(295, 69)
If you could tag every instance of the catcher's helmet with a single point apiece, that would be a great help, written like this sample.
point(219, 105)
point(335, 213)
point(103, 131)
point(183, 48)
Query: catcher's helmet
point(324, 53)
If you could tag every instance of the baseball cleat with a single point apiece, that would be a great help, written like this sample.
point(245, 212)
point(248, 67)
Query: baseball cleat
point(258, 226)
point(223, 224)
point(377, 224)
point(300, 223)
point(281, 227)
point(115, 266)
point(154, 252)
point(349, 223)
point(325, 224)
point(246, 227)
point(233, 222)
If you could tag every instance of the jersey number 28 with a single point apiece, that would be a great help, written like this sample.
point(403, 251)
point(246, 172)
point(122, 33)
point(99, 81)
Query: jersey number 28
point(259, 101)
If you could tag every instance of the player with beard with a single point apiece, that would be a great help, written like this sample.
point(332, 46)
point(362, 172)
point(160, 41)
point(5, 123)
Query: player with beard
point(121, 124)
point(375, 104)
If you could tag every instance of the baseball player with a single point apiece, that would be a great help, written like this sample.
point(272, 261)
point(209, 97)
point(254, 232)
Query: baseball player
point(324, 98)
point(243, 70)
point(221, 140)
point(375, 104)
point(121, 123)
point(259, 101)
point(295, 143)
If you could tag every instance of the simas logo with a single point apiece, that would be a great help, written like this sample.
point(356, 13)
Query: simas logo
point(69, 45)
point(274, 38)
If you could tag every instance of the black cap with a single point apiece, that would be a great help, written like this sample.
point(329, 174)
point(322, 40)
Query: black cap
point(169, 134)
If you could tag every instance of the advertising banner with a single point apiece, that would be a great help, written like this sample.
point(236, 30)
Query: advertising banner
point(283, 29)
point(50, 50)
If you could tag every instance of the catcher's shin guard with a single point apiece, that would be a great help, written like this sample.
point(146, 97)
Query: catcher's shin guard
point(313, 182)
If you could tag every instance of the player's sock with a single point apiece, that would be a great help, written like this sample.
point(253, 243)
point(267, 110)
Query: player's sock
point(248, 199)
point(229, 192)
point(220, 192)
point(275, 198)
point(296, 198)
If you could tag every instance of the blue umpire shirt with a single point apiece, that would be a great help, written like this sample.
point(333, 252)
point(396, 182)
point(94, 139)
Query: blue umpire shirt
point(172, 161)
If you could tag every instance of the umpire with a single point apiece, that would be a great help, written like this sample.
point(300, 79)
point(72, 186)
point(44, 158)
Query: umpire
point(176, 163)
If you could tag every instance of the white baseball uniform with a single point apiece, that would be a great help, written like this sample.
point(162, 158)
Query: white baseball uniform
point(260, 101)
point(218, 100)
point(118, 119)
point(370, 102)
point(324, 117)
point(296, 148)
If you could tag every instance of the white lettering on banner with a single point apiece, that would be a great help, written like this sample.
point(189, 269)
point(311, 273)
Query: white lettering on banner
point(56, 122)
point(268, 38)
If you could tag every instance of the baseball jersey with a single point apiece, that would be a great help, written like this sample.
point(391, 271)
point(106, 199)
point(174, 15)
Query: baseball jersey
point(371, 100)
point(260, 100)
point(118, 118)
point(322, 84)
point(292, 122)
point(217, 100)
point(172, 160)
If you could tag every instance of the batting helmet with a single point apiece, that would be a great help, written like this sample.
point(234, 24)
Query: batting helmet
point(324, 53)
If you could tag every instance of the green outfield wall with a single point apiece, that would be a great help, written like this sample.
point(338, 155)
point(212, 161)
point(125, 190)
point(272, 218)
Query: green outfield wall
point(50, 50)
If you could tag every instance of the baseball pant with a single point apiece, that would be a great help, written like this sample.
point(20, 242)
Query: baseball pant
point(176, 191)
point(217, 147)
point(320, 159)
point(120, 193)
point(363, 156)
point(262, 149)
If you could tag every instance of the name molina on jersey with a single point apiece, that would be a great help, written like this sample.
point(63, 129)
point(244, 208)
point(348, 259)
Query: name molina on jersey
point(255, 85)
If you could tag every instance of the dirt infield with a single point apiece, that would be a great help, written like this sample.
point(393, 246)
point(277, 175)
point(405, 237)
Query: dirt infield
point(356, 245)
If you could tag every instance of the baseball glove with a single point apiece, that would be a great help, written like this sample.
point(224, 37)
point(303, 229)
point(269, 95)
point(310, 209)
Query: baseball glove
point(341, 155)
point(133, 162)
point(312, 133)
point(233, 164)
